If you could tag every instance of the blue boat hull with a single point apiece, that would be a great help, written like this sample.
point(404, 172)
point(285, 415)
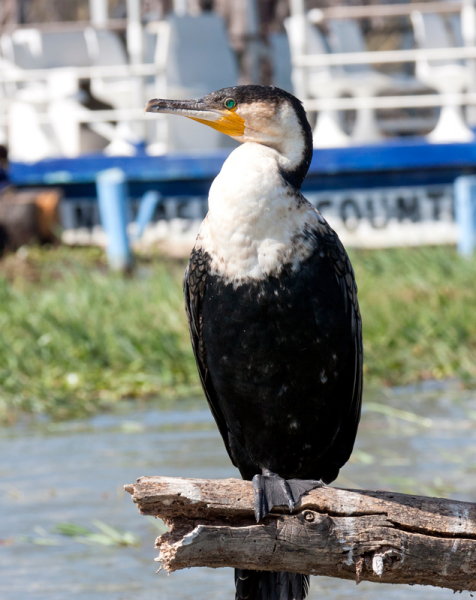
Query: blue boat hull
point(402, 162)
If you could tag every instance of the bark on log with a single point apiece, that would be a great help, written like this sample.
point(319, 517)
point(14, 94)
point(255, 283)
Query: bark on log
point(351, 534)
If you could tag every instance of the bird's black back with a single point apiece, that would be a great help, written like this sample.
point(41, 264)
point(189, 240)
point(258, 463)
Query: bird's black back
point(279, 350)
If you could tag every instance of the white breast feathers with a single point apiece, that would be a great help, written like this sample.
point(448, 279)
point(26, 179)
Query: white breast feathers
point(254, 217)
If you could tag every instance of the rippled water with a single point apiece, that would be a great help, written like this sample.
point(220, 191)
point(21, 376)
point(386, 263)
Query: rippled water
point(412, 441)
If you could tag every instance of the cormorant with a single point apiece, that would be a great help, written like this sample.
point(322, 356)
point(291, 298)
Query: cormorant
point(272, 308)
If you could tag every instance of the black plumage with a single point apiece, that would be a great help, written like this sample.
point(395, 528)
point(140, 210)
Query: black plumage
point(280, 360)
point(287, 345)
point(280, 354)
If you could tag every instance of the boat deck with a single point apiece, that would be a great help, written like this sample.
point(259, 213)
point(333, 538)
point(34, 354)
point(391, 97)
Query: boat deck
point(397, 162)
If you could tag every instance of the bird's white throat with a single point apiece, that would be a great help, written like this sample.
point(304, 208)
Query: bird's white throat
point(275, 127)
point(254, 217)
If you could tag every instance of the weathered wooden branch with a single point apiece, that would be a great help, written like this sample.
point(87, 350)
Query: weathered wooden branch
point(351, 534)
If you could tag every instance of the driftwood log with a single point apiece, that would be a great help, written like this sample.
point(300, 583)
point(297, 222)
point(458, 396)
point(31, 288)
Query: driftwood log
point(351, 534)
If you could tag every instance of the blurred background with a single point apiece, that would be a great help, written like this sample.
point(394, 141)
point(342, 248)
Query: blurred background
point(99, 208)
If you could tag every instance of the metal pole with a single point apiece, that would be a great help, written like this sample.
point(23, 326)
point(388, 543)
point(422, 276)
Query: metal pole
point(98, 12)
point(112, 194)
point(468, 28)
point(134, 31)
point(300, 75)
point(181, 7)
point(465, 213)
point(253, 43)
point(297, 7)
point(135, 48)
point(22, 16)
point(146, 211)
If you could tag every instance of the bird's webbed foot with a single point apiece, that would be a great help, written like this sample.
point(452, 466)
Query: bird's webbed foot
point(271, 490)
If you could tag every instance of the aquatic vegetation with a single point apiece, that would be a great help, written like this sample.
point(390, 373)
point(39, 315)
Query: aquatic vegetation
point(75, 338)
point(396, 413)
point(105, 536)
point(42, 538)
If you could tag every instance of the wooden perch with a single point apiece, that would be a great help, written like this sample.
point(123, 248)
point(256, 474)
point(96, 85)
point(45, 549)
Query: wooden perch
point(351, 534)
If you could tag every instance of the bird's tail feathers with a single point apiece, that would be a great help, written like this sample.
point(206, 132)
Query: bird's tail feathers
point(265, 585)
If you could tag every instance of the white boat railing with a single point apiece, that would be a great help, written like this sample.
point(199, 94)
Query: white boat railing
point(99, 120)
point(15, 75)
point(378, 10)
point(384, 56)
point(96, 116)
point(323, 79)
point(126, 85)
point(390, 102)
point(302, 63)
point(112, 24)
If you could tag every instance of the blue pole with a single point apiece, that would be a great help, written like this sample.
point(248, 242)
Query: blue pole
point(465, 213)
point(112, 194)
point(146, 211)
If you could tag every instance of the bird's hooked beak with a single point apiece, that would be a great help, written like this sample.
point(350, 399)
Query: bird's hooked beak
point(219, 118)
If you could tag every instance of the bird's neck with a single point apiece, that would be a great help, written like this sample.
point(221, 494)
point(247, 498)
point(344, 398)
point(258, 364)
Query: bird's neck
point(254, 214)
point(248, 187)
point(294, 150)
point(290, 136)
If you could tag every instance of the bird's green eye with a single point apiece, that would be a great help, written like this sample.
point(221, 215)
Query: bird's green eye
point(230, 103)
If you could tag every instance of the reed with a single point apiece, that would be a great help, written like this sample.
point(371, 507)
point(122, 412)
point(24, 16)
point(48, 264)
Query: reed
point(419, 314)
point(76, 339)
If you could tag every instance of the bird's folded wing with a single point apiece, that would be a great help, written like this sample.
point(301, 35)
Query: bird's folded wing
point(346, 280)
point(194, 287)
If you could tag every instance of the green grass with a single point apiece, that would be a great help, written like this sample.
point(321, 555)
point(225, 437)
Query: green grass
point(75, 339)
point(419, 314)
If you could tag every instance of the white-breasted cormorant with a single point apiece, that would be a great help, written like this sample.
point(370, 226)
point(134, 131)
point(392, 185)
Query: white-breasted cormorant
point(272, 308)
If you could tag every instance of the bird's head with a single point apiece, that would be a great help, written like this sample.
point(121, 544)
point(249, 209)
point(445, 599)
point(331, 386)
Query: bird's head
point(253, 113)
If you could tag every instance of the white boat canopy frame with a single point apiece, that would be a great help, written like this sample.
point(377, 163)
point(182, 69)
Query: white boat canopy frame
point(303, 63)
point(456, 82)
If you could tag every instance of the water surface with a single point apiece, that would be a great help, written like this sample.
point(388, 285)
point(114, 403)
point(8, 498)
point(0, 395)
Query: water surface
point(419, 441)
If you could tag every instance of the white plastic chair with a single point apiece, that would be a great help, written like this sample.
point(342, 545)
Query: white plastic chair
point(4, 101)
point(281, 58)
point(199, 60)
point(329, 82)
point(105, 48)
point(361, 81)
point(448, 77)
point(64, 49)
point(29, 140)
point(323, 82)
point(345, 36)
point(58, 97)
point(30, 49)
point(23, 49)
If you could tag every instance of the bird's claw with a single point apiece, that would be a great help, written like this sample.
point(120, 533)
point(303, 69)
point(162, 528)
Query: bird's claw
point(272, 490)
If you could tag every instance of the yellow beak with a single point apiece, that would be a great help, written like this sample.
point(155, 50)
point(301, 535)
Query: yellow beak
point(223, 120)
